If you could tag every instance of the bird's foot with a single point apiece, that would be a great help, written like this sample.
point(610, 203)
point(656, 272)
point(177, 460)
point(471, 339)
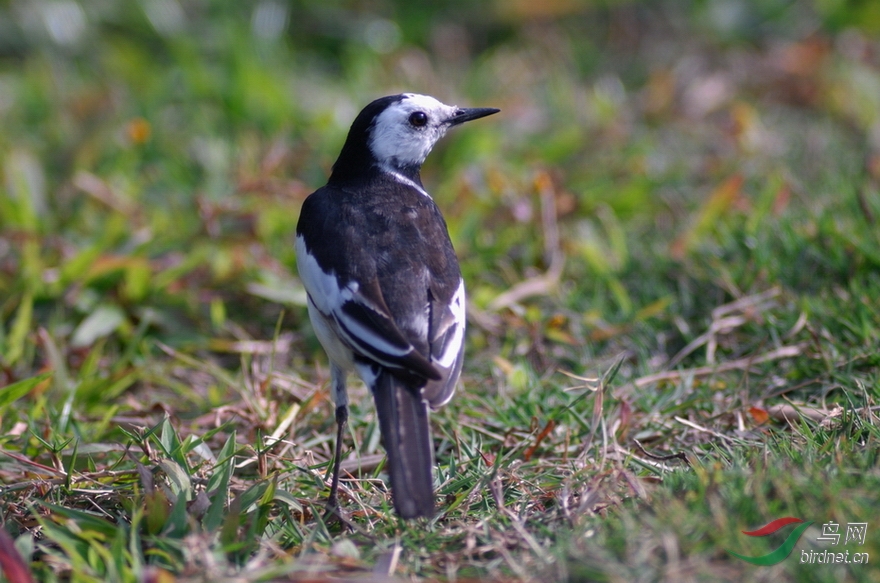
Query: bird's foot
point(333, 515)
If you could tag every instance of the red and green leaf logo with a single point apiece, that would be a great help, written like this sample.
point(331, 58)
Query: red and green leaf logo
point(784, 549)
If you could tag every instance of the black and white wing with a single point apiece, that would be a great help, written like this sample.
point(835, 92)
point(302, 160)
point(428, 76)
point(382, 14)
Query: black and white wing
point(352, 321)
point(446, 337)
point(383, 274)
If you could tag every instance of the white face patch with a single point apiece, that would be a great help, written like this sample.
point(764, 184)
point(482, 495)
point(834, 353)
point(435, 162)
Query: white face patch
point(397, 142)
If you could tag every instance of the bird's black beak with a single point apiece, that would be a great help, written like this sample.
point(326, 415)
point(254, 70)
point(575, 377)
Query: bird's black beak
point(470, 113)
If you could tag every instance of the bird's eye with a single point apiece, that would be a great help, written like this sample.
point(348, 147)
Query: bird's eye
point(418, 118)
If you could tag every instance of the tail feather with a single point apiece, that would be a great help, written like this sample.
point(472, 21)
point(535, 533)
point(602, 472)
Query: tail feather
point(403, 420)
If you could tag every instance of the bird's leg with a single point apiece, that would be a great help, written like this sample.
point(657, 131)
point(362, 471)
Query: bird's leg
point(341, 419)
point(340, 396)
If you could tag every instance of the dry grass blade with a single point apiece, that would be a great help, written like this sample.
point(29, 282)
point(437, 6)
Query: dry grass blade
point(386, 563)
point(547, 282)
point(744, 363)
point(702, 429)
point(621, 454)
point(662, 458)
point(744, 309)
point(101, 191)
point(598, 420)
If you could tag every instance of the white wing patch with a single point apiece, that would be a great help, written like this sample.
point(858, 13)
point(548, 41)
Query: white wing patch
point(340, 334)
point(364, 336)
point(459, 313)
point(322, 287)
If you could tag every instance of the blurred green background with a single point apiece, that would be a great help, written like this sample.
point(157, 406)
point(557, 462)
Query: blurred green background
point(155, 153)
point(654, 163)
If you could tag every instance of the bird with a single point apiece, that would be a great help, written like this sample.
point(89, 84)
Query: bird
point(386, 297)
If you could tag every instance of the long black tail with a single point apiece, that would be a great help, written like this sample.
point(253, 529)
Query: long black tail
point(403, 420)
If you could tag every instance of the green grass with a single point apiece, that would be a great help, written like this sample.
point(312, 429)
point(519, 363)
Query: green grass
point(669, 238)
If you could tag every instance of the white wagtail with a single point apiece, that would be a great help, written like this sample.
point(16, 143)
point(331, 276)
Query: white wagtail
point(385, 293)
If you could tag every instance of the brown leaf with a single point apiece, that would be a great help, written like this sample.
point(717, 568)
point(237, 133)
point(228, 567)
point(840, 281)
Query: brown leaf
point(759, 414)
